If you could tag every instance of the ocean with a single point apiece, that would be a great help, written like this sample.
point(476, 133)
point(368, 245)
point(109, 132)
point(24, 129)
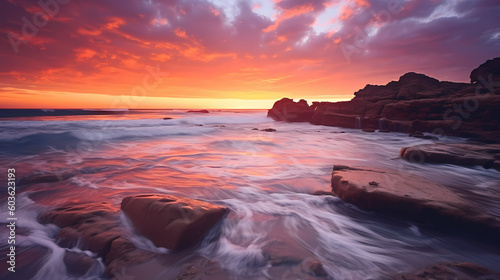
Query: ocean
point(266, 179)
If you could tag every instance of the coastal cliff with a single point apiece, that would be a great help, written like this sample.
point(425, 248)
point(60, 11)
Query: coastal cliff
point(415, 102)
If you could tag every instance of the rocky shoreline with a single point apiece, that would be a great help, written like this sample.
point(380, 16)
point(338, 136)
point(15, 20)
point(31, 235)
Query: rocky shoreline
point(414, 103)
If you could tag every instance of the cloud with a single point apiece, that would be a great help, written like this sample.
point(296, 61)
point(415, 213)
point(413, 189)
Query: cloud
point(106, 46)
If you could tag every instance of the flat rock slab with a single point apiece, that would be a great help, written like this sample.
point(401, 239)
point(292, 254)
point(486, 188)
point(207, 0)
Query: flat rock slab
point(172, 222)
point(485, 155)
point(446, 271)
point(409, 196)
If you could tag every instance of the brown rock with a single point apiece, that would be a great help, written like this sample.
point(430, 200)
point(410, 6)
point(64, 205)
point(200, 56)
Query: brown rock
point(172, 222)
point(97, 225)
point(483, 155)
point(447, 271)
point(199, 111)
point(440, 107)
point(288, 110)
point(410, 196)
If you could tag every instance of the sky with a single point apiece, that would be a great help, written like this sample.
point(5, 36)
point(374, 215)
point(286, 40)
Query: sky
point(231, 54)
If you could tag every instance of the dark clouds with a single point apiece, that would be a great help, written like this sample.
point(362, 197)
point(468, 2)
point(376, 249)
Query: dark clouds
point(91, 42)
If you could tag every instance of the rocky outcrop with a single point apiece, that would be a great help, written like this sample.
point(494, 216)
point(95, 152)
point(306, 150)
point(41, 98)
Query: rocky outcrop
point(483, 72)
point(415, 102)
point(96, 227)
point(288, 110)
point(445, 271)
point(172, 222)
point(410, 196)
point(485, 155)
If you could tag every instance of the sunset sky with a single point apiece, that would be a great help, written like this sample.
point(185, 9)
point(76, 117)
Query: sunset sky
point(231, 54)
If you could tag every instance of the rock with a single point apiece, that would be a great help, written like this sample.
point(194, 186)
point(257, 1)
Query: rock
point(39, 178)
point(199, 111)
point(317, 269)
point(172, 222)
point(483, 155)
point(484, 71)
point(201, 268)
point(269, 130)
point(418, 134)
point(415, 102)
point(288, 110)
point(409, 196)
point(167, 118)
point(446, 271)
point(368, 129)
point(97, 227)
point(255, 129)
point(335, 119)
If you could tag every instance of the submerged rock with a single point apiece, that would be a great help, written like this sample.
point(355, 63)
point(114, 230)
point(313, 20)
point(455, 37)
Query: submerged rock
point(40, 178)
point(96, 227)
point(485, 155)
point(169, 221)
point(269, 130)
point(418, 134)
point(415, 102)
point(446, 271)
point(405, 195)
point(172, 222)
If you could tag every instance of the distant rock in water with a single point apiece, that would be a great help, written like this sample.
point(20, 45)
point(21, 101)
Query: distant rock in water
point(288, 110)
point(172, 222)
point(485, 155)
point(413, 197)
point(199, 111)
point(415, 102)
point(167, 118)
point(269, 130)
point(418, 134)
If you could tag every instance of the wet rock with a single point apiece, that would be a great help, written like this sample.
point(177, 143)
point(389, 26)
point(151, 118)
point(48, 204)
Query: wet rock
point(199, 111)
point(167, 118)
point(368, 129)
point(483, 155)
point(97, 227)
point(446, 271)
point(201, 268)
point(78, 264)
point(418, 134)
point(284, 252)
point(288, 110)
point(317, 269)
point(255, 129)
point(45, 178)
point(172, 222)
point(269, 130)
point(415, 102)
point(409, 196)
